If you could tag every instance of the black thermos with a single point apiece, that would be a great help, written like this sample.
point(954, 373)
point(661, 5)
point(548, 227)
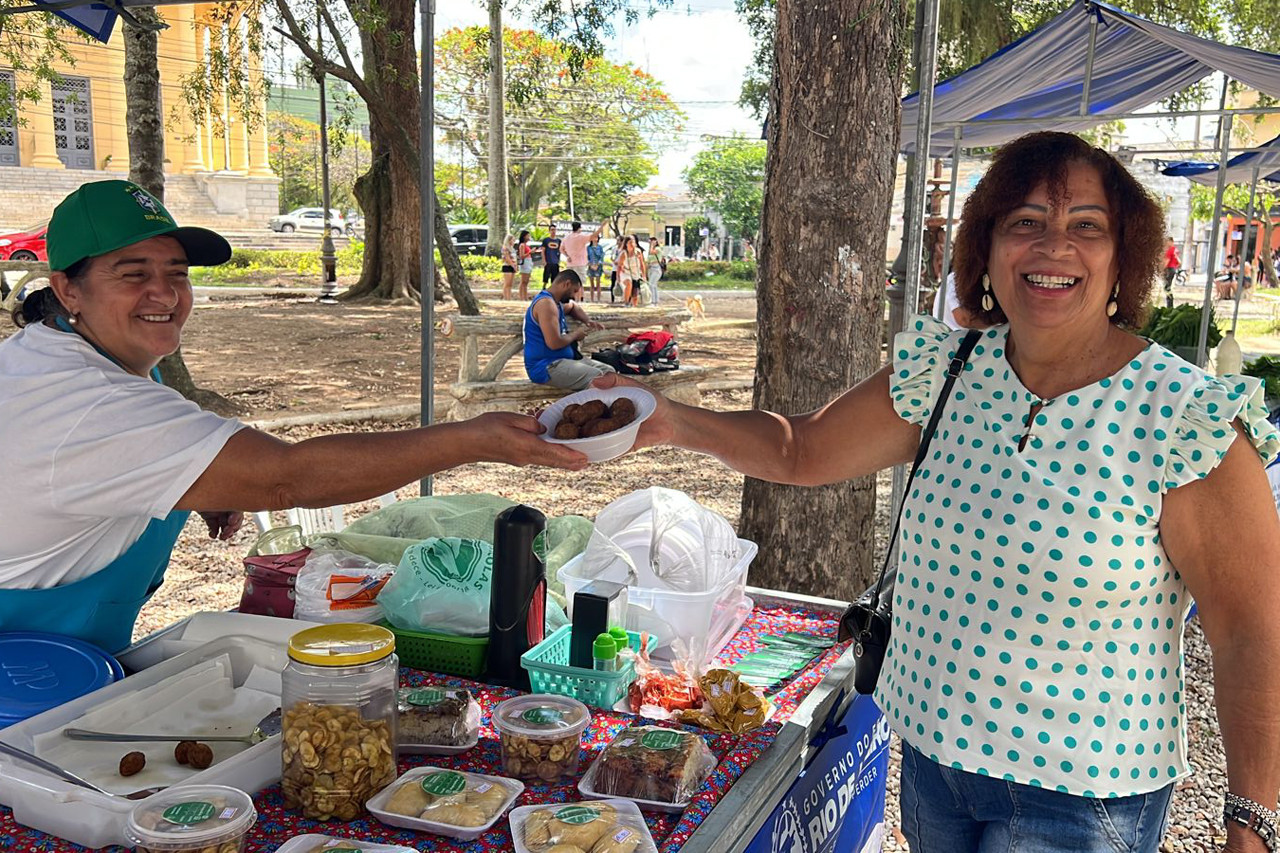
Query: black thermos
point(518, 596)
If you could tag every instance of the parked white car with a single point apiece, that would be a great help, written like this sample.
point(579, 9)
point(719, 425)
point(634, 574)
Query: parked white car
point(307, 219)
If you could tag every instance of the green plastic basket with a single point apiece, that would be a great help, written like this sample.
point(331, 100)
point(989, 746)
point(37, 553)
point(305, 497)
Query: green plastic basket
point(549, 672)
point(464, 656)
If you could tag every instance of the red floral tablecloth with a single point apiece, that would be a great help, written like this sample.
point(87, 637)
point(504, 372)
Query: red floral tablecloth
point(734, 752)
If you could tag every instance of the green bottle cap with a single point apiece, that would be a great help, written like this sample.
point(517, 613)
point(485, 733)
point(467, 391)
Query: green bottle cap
point(620, 634)
point(605, 647)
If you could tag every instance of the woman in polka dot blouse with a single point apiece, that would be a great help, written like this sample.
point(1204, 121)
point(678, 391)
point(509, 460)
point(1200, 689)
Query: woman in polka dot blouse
point(1083, 487)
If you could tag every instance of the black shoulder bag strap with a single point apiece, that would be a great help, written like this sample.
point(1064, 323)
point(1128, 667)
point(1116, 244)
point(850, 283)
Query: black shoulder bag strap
point(869, 602)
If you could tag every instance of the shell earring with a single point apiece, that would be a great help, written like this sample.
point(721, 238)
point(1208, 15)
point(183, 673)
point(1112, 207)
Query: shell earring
point(988, 301)
point(1112, 306)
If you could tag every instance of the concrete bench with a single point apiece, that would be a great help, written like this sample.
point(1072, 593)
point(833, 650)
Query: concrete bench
point(14, 275)
point(479, 389)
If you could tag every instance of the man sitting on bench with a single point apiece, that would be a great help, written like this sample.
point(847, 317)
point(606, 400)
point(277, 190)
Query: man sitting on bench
point(550, 349)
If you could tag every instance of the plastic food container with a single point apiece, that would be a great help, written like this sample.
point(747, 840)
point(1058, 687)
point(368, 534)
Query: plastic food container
point(611, 445)
point(192, 819)
point(328, 844)
point(448, 802)
point(47, 670)
point(704, 621)
point(584, 826)
point(339, 722)
point(541, 735)
point(657, 767)
point(437, 720)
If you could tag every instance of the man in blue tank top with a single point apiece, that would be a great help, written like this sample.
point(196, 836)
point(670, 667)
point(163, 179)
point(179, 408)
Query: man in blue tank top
point(549, 356)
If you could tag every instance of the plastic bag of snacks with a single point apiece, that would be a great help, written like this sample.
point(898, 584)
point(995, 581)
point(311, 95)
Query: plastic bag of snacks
point(657, 767)
point(446, 802)
point(600, 826)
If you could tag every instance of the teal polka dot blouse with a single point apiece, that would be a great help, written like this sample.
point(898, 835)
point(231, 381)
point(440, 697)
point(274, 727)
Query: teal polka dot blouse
point(1037, 621)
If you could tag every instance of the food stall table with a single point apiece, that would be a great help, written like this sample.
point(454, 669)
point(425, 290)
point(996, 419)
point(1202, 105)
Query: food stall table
point(746, 791)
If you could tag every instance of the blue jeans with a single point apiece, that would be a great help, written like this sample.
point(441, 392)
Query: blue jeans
point(953, 811)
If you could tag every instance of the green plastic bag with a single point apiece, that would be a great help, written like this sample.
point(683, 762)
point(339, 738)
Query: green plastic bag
point(441, 585)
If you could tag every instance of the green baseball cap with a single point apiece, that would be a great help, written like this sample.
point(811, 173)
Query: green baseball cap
point(103, 216)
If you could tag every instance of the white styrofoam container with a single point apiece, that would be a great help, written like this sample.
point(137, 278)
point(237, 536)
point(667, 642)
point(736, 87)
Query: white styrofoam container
point(377, 804)
point(611, 445)
point(308, 843)
point(628, 812)
point(45, 802)
point(704, 621)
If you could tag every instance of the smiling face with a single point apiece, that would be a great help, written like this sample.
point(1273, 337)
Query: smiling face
point(132, 302)
point(1053, 262)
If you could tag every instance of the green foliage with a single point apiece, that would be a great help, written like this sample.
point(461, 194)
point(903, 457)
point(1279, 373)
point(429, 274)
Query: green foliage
point(294, 155)
point(458, 191)
point(728, 177)
point(30, 45)
point(1179, 326)
point(693, 238)
point(1266, 368)
point(1235, 197)
point(695, 271)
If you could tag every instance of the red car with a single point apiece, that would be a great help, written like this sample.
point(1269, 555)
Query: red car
point(25, 245)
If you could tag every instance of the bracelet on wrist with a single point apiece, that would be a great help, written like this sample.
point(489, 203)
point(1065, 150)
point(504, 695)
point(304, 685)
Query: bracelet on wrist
point(1252, 816)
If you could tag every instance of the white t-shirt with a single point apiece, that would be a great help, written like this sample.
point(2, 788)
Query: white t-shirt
point(947, 301)
point(91, 455)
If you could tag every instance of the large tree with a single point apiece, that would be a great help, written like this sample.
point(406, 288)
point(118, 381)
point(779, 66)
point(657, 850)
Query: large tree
point(499, 211)
point(832, 134)
point(728, 177)
point(295, 155)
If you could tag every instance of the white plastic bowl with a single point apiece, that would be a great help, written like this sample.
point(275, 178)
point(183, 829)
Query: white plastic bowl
point(611, 445)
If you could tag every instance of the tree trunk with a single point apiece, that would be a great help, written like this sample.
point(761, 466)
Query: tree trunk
point(452, 264)
point(1268, 268)
point(388, 194)
point(145, 129)
point(828, 188)
point(497, 202)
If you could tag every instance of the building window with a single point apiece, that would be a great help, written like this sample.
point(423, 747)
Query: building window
point(73, 123)
point(8, 121)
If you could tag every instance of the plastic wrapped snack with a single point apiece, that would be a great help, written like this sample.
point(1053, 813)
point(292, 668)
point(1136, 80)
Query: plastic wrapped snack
point(437, 720)
point(314, 843)
point(652, 765)
point(192, 819)
point(446, 802)
point(541, 735)
point(599, 826)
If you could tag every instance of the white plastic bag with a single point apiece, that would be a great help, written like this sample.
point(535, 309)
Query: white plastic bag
point(664, 539)
point(338, 586)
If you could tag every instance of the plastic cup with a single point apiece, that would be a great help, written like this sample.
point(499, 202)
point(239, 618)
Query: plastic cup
point(192, 819)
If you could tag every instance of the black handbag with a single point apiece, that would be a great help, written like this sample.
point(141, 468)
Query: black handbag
point(869, 617)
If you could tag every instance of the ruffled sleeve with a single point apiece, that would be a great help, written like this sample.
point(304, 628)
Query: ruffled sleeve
point(920, 357)
point(1203, 431)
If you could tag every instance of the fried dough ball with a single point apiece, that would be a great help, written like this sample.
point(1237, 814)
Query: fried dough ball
point(623, 411)
point(132, 763)
point(200, 756)
point(600, 426)
point(570, 413)
point(590, 411)
point(182, 752)
point(566, 429)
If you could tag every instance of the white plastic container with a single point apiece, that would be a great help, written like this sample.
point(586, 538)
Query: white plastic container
point(313, 843)
point(192, 819)
point(85, 817)
point(703, 621)
point(629, 824)
point(203, 627)
point(611, 445)
point(468, 782)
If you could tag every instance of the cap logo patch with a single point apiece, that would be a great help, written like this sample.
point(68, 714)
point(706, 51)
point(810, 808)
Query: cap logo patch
point(145, 201)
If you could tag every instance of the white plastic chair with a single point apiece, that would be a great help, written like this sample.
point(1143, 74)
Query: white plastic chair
point(314, 521)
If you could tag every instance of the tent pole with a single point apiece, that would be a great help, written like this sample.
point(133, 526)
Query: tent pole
point(951, 215)
point(1246, 246)
point(1088, 59)
point(426, 191)
point(1215, 232)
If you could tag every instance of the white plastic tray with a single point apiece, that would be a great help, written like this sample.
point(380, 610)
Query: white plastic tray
point(85, 817)
point(203, 627)
point(435, 749)
point(630, 812)
point(308, 843)
point(514, 788)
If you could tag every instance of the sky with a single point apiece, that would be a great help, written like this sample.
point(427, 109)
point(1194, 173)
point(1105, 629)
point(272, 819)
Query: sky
point(699, 51)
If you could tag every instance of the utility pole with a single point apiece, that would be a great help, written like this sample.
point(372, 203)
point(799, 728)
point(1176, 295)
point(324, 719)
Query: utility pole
point(328, 261)
point(462, 170)
point(572, 214)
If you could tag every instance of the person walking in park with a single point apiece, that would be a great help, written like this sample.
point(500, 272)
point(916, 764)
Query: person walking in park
point(509, 264)
point(595, 265)
point(574, 249)
point(550, 257)
point(549, 357)
point(655, 265)
point(1172, 263)
point(631, 271)
point(1084, 486)
point(524, 253)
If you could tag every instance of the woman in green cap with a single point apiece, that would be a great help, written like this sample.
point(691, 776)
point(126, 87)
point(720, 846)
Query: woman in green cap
point(113, 462)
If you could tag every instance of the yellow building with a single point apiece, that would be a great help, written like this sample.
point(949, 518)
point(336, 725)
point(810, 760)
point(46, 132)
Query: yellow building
point(76, 132)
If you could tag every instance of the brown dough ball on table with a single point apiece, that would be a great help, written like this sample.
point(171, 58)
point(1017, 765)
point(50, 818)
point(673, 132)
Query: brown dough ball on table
point(132, 763)
point(566, 429)
point(590, 411)
point(182, 752)
point(600, 426)
point(623, 411)
point(200, 756)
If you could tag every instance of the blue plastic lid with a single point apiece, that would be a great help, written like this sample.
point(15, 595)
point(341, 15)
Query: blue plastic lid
point(42, 671)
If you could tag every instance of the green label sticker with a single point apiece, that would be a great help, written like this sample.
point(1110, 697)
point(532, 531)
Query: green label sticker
point(540, 546)
point(543, 716)
point(429, 696)
point(577, 815)
point(343, 850)
point(185, 814)
point(444, 784)
point(661, 740)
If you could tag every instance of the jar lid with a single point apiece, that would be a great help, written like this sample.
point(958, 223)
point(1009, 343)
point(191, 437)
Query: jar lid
point(541, 715)
point(343, 644)
point(47, 670)
point(190, 816)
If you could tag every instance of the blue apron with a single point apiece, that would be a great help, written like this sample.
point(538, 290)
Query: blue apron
point(102, 607)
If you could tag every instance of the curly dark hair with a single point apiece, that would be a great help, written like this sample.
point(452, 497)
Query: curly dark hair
point(1017, 169)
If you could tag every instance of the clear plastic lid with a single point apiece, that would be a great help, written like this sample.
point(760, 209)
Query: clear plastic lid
point(191, 816)
point(541, 715)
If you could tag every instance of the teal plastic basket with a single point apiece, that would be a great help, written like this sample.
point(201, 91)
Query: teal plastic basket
point(549, 672)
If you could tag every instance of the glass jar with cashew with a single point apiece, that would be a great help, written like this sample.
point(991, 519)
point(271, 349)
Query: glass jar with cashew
point(338, 734)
